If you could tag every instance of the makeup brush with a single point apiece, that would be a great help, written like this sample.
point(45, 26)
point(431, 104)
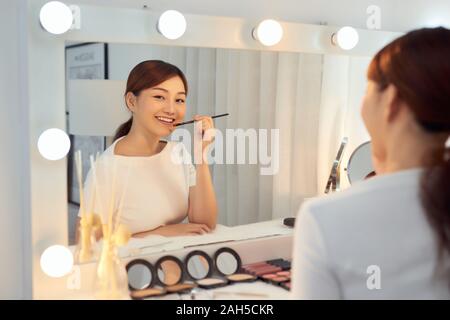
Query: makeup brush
point(192, 121)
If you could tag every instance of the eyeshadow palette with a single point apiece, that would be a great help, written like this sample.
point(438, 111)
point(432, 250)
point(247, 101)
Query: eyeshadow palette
point(276, 272)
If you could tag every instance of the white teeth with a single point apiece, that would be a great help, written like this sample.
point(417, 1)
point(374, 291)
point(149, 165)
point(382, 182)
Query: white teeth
point(168, 120)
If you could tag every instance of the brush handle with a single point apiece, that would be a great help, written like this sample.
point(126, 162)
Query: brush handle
point(192, 121)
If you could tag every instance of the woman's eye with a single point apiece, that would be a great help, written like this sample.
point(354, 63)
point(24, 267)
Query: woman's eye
point(180, 100)
point(159, 97)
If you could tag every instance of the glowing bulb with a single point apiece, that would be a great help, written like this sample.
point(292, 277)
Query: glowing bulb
point(54, 144)
point(268, 32)
point(172, 24)
point(56, 17)
point(346, 38)
point(56, 261)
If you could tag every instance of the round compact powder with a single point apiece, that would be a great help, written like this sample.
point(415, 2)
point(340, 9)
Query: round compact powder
point(241, 277)
point(209, 282)
point(145, 293)
point(180, 287)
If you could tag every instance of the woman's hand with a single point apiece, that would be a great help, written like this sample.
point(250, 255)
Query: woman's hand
point(174, 230)
point(207, 123)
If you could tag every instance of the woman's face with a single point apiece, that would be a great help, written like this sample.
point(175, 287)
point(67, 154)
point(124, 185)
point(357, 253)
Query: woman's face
point(159, 108)
point(373, 114)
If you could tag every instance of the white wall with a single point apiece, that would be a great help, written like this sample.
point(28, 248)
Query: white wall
point(396, 15)
point(343, 86)
point(15, 232)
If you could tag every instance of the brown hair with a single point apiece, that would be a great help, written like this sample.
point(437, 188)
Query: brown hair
point(145, 75)
point(418, 65)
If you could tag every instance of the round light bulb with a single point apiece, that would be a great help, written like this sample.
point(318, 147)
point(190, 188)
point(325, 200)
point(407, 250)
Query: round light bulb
point(54, 144)
point(268, 32)
point(346, 38)
point(56, 17)
point(172, 24)
point(56, 261)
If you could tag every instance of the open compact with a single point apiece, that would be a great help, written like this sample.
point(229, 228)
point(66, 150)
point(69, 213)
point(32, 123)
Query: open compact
point(170, 274)
point(199, 267)
point(141, 279)
point(228, 263)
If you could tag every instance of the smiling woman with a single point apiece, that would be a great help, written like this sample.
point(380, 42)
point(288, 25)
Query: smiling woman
point(158, 84)
point(160, 193)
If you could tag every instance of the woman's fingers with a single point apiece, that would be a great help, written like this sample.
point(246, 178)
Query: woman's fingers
point(206, 228)
point(203, 227)
point(207, 122)
point(200, 228)
point(207, 127)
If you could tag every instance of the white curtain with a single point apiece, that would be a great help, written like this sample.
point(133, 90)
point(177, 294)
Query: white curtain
point(303, 95)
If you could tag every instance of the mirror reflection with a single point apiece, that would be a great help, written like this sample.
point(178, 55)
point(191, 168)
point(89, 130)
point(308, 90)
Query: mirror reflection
point(169, 272)
point(360, 164)
point(139, 276)
point(286, 111)
point(227, 263)
point(198, 266)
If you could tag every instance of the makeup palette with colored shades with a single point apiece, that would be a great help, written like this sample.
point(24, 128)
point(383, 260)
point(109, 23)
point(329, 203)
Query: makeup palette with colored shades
point(276, 271)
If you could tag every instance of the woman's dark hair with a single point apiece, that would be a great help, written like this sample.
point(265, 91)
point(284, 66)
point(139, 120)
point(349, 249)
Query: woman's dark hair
point(145, 75)
point(418, 65)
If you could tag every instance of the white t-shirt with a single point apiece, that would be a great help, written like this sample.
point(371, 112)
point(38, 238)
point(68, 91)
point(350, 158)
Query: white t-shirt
point(372, 235)
point(151, 191)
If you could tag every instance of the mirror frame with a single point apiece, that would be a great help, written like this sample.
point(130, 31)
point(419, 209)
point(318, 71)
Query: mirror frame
point(233, 253)
point(44, 95)
point(351, 158)
point(202, 254)
point(149, 266)
point(177, 261)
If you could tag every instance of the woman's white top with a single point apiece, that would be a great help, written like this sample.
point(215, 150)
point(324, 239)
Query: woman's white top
point(149, 192)
point(371, 241)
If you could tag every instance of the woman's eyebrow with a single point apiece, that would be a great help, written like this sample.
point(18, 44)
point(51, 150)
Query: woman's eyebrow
point(165, 90)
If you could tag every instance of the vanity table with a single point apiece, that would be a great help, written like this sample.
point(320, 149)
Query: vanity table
point(255, 242)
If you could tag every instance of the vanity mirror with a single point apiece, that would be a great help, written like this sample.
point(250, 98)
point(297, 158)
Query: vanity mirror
point(298, 87)
point(270, 97)
point(360, 165)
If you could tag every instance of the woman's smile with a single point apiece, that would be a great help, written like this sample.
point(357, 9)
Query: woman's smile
point(166, 120)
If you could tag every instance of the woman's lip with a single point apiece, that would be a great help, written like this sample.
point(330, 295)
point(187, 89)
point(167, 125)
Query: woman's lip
point(166, 123)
